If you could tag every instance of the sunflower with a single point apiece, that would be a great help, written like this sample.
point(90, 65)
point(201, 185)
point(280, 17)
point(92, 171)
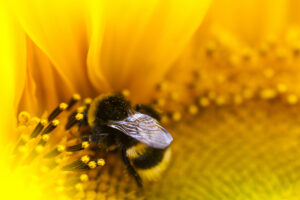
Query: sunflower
point(223, 74)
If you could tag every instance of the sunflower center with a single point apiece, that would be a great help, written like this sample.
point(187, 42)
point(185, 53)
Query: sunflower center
point(55, 154)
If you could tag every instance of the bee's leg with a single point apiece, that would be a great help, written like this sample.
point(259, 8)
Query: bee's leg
point(130, 169)
point(148, 110)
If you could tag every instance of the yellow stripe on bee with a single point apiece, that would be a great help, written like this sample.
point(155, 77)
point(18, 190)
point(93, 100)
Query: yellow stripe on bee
point(135, 151)
point(155, 172)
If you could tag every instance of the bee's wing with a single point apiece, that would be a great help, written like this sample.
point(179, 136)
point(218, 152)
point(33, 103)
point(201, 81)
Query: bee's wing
point(145, 129)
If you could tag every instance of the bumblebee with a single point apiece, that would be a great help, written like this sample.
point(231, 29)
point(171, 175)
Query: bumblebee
point(144, 144)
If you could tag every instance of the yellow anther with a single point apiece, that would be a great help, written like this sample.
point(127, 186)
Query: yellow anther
point(268, 93)
point(84, 177)
point(101, 162)
point(292, 99)
point(193, 109)
point(63, 106)
point(204, 102)
point(281, 88)
point(55, 122)
point(237, 99)
point(85, 144)
point(92, 164)
point(81, 109)
point(220, 100)
point(176, 116)
point(174, 96)
point(39, 148)
point(44, 122)
point(164, 119)
point(76, 97)
point(34, 121)
point(61, 148)
point(126, 93)
point(79, 116)
point(85, 159)
point(79, 186)
point(88, 101)
point(161, 102)
point(23, 117)
point(45, 137)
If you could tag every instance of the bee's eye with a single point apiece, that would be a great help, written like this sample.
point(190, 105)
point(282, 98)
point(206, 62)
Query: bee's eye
point(113, 108)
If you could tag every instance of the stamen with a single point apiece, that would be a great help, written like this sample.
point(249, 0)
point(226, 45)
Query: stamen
point(85, 144)
point(23, 117)
point(38, 128)
point(51, 126)
point(100, 162)
point(87, 101)
point(292, 99)
point(81, 164)
point(57, 111)
point(193, 109)
point(76, 147)
point(56, 151)
point(84, 177)
point(281, 88)
point(176, 116)
point(204, 102)
point(85, 159)
point(73, 101)
point(92, 164)
point(268, 93)
point(74, 120)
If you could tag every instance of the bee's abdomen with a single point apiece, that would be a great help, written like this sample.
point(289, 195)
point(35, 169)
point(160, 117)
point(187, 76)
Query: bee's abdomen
point(149, 162)
point(150, 158)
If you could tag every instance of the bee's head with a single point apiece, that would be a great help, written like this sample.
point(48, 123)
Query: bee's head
point(113, 107)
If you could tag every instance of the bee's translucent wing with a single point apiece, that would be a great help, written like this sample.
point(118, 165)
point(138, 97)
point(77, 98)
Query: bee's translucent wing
point(145, 129)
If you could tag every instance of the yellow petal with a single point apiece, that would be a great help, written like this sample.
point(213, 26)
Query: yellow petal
point(58, 28)
point(94, 59)
point(12, 70)
point(43, 89)
point(141, 39)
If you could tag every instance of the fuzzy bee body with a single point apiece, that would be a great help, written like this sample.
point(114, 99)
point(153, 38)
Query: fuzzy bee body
point(148, 162)
point(136, 131)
